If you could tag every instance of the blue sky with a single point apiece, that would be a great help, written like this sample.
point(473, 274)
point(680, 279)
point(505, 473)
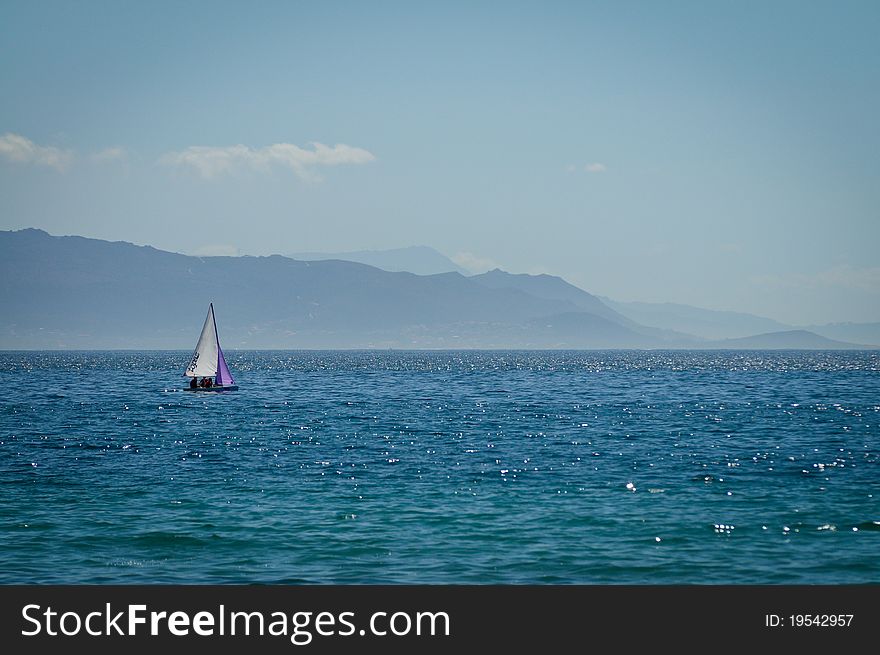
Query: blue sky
point(720, 154)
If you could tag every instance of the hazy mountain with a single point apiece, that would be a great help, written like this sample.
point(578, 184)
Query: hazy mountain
point(786, 340)
point(853, 332)
point(420, 260)
point(550, 287)
point(73, 292)
point(717, 325)
point(706, 323)
point(555, 288)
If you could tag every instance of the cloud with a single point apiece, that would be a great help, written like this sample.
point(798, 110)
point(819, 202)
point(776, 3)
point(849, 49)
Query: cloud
point(594, 167)
point(843, 276)
point(17, 148)
point(210, 162)
point(474, 263)
point(110, 154)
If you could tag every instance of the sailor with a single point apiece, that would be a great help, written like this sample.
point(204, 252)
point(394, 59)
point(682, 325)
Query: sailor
point(194, 383)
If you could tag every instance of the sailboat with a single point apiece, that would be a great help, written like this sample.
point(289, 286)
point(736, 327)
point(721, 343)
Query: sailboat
point(208, 361)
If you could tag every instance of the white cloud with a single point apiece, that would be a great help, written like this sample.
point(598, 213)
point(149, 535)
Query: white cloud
point(17, 148)
point(110, 154)
point(473, 263)
point(210, 162)
point(216, 250)
point(843, 276)
point(595, 167)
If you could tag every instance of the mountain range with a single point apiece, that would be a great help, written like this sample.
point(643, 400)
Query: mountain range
point(74, 292)
point(707, 324)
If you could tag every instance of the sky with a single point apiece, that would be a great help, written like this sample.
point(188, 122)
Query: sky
point(719, 154)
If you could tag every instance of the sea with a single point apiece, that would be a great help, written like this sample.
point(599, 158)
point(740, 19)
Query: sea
point(442, 467)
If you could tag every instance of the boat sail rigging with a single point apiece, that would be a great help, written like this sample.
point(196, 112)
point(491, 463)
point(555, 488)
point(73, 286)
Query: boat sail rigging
point(207, 359)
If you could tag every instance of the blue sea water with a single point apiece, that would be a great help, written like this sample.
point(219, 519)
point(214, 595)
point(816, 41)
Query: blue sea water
point(442, 467)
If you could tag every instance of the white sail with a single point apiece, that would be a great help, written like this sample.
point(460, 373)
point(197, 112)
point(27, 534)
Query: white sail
point(204, 358)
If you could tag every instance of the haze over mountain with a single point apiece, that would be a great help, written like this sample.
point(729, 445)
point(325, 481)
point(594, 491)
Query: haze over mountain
point(718, 325)
point(868, 333)
point(789, 339)
point(73, 292)
point(550, 286)
point(706, 323)
point(421, 260)
point(553, 287)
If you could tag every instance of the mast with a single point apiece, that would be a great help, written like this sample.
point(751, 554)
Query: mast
point(216, 336)
point(224, 377)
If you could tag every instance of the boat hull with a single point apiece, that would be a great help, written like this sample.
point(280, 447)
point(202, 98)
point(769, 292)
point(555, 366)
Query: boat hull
point(229, 387)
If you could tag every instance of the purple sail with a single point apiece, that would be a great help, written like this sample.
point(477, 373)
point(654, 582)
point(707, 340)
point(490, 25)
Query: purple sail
point(224, 377)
